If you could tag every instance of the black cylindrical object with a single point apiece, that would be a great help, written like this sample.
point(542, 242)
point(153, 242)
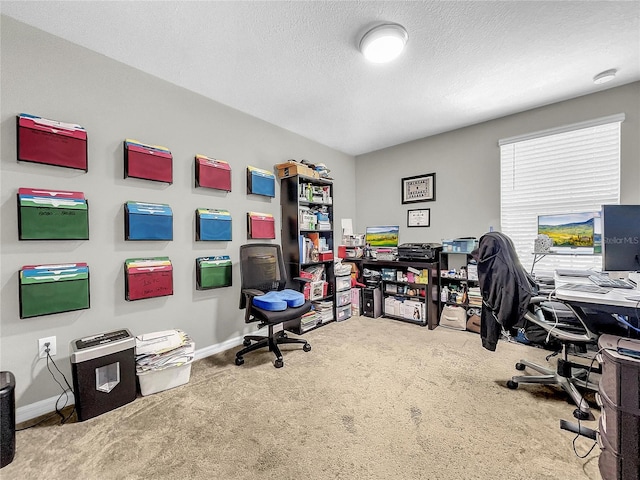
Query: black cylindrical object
point(7, 418)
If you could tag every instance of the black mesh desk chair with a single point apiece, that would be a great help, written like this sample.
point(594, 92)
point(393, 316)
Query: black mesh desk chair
point(510, 300)
point(262, 270)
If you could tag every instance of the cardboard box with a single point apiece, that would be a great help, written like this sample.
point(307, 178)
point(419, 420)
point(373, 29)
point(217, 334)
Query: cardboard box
point(291, 169)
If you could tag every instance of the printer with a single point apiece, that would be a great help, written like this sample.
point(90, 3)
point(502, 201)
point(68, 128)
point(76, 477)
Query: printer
point(419, 251)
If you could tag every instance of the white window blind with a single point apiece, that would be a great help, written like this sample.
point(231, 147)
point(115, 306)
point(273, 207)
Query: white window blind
point(567, 170)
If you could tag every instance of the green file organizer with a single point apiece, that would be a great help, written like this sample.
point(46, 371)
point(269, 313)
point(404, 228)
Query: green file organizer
point(52, 215)
point(213, 272)
point(47, 289)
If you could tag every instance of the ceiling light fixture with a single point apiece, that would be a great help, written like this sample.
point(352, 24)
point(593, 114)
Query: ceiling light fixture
point(384, 43)
point(605, 76)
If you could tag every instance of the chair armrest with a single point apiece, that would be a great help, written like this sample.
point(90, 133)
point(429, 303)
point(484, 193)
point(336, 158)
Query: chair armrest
point(247, 301)
point(537, 317)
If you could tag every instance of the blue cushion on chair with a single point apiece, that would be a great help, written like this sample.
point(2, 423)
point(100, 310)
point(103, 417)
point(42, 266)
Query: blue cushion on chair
point(271, 301)
point(293, 298)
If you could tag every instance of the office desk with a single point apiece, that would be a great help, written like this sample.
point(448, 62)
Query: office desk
point(614, 301)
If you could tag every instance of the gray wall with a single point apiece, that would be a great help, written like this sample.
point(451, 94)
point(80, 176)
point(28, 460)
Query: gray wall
point(467, 167)
point(46, 76)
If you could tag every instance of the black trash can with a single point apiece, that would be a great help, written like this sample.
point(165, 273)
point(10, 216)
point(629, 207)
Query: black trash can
point(7, 418)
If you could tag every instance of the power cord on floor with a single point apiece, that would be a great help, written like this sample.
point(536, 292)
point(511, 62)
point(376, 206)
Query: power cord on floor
point(595, 357)
point(64, 393)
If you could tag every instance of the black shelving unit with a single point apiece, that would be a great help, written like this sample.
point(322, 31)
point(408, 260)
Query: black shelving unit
point(298, 196)
point(460, 284)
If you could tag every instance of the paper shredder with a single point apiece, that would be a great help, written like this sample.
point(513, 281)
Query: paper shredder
point(104, 372)
point(7, 418)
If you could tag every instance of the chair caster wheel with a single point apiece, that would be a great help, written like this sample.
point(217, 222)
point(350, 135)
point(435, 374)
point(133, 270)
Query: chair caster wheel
point(279, 363)
point(520, 366)
point(306, 347)
point(512, 385)
point(580, 415)
point(246, 342)
point(239, 360)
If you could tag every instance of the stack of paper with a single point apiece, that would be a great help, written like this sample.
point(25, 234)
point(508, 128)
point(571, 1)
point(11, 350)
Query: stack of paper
point(475, 297)
point(324, 310)
point(160, 350)
point(308, 320)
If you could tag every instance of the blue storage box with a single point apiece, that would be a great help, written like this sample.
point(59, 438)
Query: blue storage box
point(212, 224)
point(148, 221)
point(261, 182)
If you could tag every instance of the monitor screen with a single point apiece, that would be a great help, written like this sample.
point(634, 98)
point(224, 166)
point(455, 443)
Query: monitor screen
point(382, 236)
point(621, 238)
point(570, 232)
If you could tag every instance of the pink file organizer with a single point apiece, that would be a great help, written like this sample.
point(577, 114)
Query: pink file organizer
point(260, 225)
point(51, 142)
point(147, 281)
point(148, 162)
point(211, 173)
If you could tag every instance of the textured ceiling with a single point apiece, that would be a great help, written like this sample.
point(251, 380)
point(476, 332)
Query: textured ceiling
point(296, 64)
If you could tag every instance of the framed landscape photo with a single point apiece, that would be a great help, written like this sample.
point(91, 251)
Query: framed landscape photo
point(419, 217)
point(421, 188)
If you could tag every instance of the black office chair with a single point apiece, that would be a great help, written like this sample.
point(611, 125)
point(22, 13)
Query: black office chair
point(262, 270)
point(510, 300)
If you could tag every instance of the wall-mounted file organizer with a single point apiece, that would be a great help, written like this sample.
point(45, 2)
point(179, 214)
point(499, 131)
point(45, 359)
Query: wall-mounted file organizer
point(261, 182)
point(47, 289)
point(148, 221)
point(51, 142)
point(52, 215)
point(148, 278)
point(213, 272)
point(260, 225)
point(213, 224)
point(149, 162)
point(211, 173)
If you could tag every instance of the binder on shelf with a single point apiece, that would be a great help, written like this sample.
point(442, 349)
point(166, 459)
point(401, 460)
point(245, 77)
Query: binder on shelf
point(148, 162)
point(51, 142)
point(212, 224)
point(47, 289)
point(212, 173)
point(261, 182)
point(148, 221)
point(260, 225)
point(148, 278)
point(52, 215)
point(213, 272)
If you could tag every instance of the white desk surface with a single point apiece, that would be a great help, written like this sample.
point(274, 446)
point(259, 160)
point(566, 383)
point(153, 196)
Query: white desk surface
point(615, 297)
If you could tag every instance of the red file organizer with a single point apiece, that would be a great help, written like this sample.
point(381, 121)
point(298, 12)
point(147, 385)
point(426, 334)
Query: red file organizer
point(51, 142)
point(147, 281)
point(211, 173)
point(149, 162)
point(260, 225)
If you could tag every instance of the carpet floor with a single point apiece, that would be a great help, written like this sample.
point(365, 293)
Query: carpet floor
point(373, 399)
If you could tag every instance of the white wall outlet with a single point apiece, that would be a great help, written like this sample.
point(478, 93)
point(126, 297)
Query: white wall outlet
point(42, 348)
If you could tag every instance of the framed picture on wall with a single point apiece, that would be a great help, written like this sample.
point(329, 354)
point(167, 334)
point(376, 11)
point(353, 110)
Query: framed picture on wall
point(421, 188)
point(419, 217)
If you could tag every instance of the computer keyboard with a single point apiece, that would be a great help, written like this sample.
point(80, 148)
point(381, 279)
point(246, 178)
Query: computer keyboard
point(583, 287)
point(604, 281)
point(566, 272)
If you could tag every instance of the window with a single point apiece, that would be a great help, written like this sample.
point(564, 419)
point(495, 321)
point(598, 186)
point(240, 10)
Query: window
point(571, 169)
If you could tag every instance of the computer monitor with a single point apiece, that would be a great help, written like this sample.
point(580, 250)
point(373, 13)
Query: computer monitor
point(621, 238)
point(570, 232)
point(382, 236)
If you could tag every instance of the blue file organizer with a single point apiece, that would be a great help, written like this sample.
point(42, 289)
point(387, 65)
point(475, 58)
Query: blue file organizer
point(212, 224)
point(261, 182)
point(148, 221)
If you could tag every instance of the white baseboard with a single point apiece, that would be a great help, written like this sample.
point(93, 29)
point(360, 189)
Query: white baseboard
point(48, 405)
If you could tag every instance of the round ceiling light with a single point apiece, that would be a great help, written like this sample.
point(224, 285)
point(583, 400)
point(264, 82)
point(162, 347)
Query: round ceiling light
point(605, 76)
point(384, 43)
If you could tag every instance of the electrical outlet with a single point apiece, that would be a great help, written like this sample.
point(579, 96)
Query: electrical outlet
point(42, 348)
